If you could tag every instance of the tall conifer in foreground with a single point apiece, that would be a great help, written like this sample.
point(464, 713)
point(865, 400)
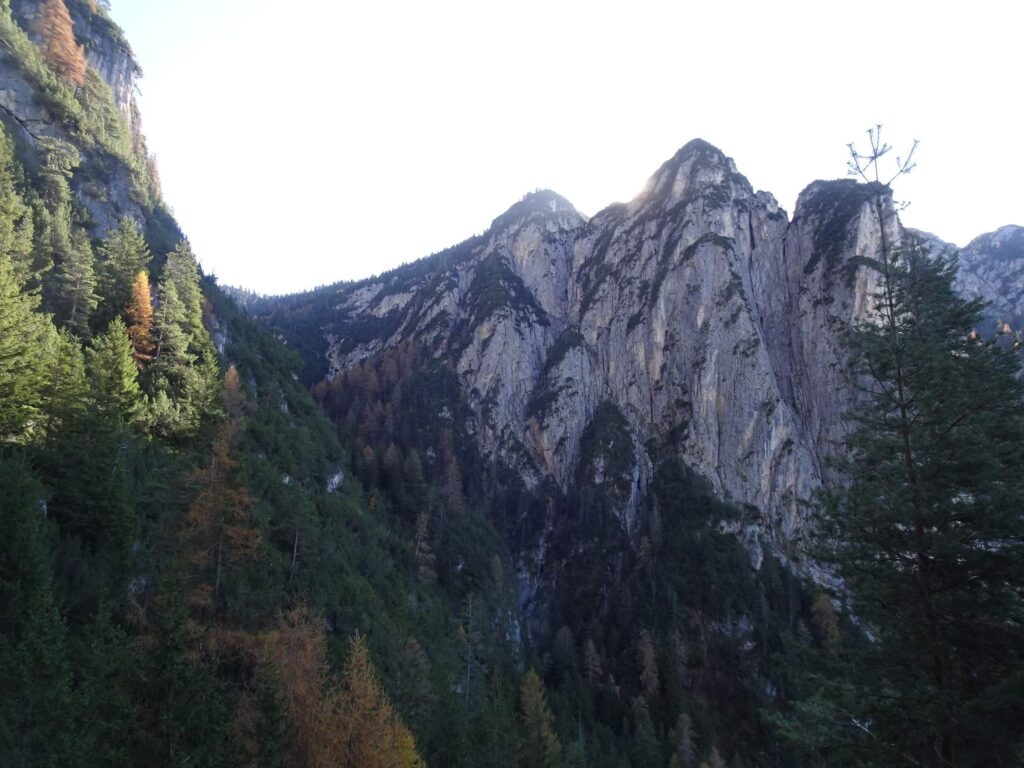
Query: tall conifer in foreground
point(928, 537)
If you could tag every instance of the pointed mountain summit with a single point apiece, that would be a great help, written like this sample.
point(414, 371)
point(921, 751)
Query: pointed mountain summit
point(541, 204)
point(696, 167)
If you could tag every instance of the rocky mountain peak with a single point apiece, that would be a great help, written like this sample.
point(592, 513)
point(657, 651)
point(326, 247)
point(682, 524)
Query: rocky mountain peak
point(542, 206)
point(697, 168)
point(1005, 243)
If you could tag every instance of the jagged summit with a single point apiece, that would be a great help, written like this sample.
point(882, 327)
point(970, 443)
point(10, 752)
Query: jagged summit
point(696, 167)
point(539, 204)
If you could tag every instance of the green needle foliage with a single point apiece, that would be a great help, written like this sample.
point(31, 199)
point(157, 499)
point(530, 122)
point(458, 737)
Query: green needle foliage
point(928, 537)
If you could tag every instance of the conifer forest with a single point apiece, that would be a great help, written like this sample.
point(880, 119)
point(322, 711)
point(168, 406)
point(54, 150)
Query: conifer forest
point(698, 505)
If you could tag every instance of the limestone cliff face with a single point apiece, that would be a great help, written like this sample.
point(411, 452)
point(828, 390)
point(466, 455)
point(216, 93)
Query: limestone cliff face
point(992, 267)
point(699, 312)
point(696, 321)
point(29, 117)
point(106, 49)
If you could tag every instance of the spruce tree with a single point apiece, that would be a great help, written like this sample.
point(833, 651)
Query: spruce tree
point(116, 396)
point(125, 254)
point(35, 677)
point(928, 536)
point(182, 272)
point(16, 223)
point(74, 286)
point(25, 336)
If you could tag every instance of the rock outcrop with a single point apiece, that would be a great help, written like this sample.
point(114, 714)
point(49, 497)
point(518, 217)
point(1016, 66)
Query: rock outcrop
point(33, 111)
point(697, 321)
point(699, 312)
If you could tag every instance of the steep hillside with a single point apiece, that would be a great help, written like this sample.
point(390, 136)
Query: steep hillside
point(200, 568)
point(698, 310)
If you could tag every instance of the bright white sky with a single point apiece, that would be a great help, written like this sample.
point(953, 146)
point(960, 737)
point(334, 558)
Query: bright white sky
point(309, 141)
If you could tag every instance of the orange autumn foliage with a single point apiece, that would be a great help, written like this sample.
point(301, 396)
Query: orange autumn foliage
point(64, 54)
point(219, 528)
point(351, 725)
point(140, 321)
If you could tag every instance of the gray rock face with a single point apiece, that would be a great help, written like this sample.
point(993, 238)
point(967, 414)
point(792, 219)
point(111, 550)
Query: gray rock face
point(992, 267)
point(705, 316)
point(106, 50)
point(28, 119)
point(696, 321)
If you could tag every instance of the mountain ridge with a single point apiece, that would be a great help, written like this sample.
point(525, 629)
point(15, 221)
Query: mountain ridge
point(546, 300)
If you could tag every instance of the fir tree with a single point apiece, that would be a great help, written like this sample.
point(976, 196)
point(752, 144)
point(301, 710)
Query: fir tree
point(116, 396)
point(75, 286)
point(16, 223)
point(35, 677)
point(928, 536)
point(25, 336)
point(125, 254)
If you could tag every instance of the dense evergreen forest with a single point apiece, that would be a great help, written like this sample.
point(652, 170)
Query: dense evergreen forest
point(206, 562)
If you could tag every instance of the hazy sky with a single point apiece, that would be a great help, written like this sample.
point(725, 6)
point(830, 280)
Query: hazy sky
point(308, 141)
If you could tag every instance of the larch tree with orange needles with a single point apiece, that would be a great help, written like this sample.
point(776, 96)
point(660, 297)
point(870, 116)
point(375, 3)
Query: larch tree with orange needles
point(219, 528)
point(351, 725)
point(140, 321)
point(58, 41)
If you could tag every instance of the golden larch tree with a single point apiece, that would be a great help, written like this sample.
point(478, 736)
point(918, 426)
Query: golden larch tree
point(351, 725)
point(540, 747)
point(140, 321)
point(219, 527)
point(57, 31)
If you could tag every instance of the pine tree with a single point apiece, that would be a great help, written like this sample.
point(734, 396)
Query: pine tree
point(125, 254)
point(182, 272)
point(16, 223)
point(140, 321)
point(35, 677)
point(540, 746)
point(65, 55)
point(75, 286)
point(116, 397)
point(927, 536)
point(25, 336)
